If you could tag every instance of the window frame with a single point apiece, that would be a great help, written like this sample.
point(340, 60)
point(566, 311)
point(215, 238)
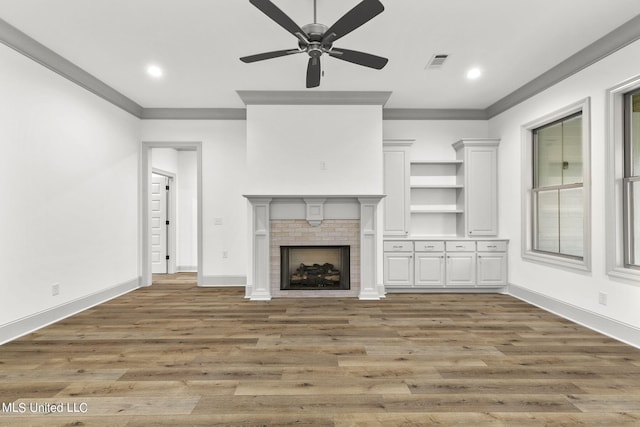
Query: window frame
point(528, 205)
point(628, 179)
point(616, 211)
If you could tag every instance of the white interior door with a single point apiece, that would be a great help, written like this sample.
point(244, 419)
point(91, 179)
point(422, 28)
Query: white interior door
point(159, 226)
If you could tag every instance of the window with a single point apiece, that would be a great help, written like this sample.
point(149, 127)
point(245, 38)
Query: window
point(558, 186)
point(631, 194)
point(556, 193)
point(622, 204)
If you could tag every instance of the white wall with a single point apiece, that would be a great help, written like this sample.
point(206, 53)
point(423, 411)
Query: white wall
point(187, 212)
point(287, 145)
point(165, 159)
point(571, 288)
point(224, 178)
point(433, 138)
point(69, 193)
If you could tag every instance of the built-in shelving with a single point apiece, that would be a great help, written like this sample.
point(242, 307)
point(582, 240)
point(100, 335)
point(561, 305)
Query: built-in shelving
point(452, 198)
point(436, 201)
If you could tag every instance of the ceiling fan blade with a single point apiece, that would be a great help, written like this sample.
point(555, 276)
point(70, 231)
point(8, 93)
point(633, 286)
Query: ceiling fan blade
point(269, 55)
point(313, 72)
point(277, 15)
point(359, 15)
point(360, 58)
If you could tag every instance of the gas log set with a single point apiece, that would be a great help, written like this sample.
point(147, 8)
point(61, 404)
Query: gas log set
point(316, 275)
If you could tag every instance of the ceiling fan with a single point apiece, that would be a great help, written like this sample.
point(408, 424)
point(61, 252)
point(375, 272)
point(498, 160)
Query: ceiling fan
point(316, 39)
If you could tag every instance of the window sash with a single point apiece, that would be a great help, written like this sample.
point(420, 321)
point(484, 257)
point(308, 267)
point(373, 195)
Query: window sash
point(561, 241)
point(561, 159)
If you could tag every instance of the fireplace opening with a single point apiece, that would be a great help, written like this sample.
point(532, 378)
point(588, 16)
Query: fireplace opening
point(314, 268)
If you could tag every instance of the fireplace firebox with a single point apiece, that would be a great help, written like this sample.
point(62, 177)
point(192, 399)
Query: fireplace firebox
point(314, 268)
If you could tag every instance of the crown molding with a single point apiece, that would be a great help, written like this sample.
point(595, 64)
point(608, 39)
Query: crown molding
point(295, 97)
point(622, 36)
point(433, 114)
point(19, 41)
point(194, 114)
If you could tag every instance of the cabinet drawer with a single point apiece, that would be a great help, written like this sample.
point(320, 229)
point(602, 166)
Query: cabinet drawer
point(492, 246)
point(398, 246)
point(429, 246)
point(458, 246)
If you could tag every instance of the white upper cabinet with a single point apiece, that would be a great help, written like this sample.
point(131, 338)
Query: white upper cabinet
point(396, 187)
point(480, 177)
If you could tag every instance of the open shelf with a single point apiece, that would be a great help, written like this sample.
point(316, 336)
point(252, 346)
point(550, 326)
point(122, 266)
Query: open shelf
point(433, 210)
point(437, 186)
point(437, 162)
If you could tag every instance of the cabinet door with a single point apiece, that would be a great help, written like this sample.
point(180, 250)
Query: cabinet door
point(398, 269)
point(482, 191)
point(461, 269)
point(397, 191)
point(429, 269)
point(492, 269)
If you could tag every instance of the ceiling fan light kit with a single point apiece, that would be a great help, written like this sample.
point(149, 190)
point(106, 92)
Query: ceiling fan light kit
point(317, 39)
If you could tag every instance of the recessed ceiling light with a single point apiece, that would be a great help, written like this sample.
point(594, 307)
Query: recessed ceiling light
point(474, 73)
point(155, 71)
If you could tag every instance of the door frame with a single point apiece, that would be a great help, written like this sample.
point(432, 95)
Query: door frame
point(144, 204)
point(171, 214)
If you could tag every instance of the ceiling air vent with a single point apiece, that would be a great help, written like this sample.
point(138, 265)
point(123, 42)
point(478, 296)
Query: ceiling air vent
point(436, 61)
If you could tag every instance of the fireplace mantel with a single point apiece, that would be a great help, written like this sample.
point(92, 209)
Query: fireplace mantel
point(314, 208)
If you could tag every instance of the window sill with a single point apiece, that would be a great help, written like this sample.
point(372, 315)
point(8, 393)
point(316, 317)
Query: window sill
point(557, 261)
point(630, 274)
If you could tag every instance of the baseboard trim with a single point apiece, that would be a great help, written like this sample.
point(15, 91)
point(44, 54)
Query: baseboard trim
point(612, 328)
point(26, 325)
point(483, 290)
point(187, 268)
point(223, 281)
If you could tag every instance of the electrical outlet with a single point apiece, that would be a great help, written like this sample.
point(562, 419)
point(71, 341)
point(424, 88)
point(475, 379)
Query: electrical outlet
point(217, 221)
point(602, 298)
point(323, 165)
point(225, 254)
point(55, 289)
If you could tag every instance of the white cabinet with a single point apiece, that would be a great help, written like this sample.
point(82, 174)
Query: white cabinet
point(396, 187)
point(480, 177)
point(451, 264)
point(429, 264)
point(492, 263)
point(398, 264)
point(461, 263)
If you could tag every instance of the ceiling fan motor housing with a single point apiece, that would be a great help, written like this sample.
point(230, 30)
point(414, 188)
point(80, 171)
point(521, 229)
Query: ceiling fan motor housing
point(315, 31)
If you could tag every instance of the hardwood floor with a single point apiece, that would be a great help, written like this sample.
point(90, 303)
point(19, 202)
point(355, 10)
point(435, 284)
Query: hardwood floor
point(175, 354)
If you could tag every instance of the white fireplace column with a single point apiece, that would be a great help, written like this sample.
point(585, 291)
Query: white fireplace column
point(369, 248)
point(259, 289)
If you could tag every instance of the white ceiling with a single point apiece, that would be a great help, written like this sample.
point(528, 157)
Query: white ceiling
point(198, 43)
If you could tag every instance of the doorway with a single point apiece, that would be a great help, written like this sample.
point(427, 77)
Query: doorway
point(156, 235)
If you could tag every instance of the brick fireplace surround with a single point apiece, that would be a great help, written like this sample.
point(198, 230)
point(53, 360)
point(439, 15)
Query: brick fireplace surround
point(313, 221)
point(298, 232)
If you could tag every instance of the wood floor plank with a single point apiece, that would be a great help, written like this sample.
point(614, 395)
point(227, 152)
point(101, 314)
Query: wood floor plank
point(174, 354)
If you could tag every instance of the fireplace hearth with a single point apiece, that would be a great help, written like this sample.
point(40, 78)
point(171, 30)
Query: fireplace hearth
point(314, 268)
